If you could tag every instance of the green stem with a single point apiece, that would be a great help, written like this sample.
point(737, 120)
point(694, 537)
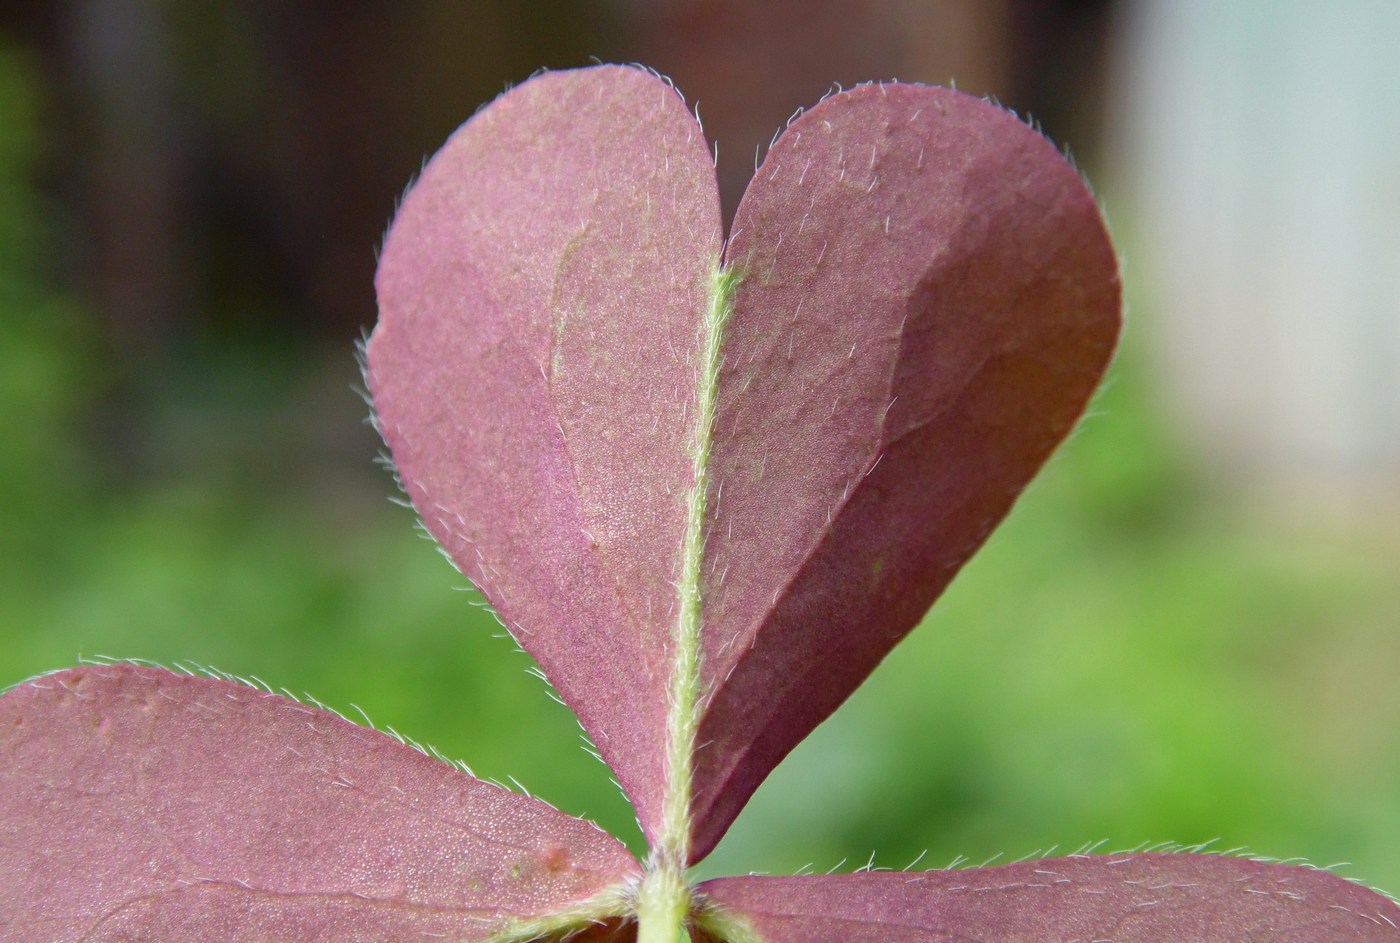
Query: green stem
point(663, 903)
point(672, 848)
point(663, 899)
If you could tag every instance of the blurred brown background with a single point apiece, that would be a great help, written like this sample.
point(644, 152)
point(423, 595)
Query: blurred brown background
point(1189, 630)
point(222, 165)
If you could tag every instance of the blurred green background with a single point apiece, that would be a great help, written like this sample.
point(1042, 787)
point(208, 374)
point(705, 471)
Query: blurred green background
point(1161, 644)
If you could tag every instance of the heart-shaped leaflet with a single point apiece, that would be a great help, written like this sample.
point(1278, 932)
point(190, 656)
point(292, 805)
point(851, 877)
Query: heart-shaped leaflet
point(709, 485)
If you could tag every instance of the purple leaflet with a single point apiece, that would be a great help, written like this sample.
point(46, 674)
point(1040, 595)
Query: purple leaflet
point(929, 298)
point(534, 372)
point(1128, 898)
point(138, 804)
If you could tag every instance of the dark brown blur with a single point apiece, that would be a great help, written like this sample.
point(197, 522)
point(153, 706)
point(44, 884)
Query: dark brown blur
point(232, 165)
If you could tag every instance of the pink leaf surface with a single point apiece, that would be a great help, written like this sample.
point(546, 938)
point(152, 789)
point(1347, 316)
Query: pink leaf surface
point(929, 298)
point(926, 299)
point(138, 804)
point(534, 372)
point(1130, 898)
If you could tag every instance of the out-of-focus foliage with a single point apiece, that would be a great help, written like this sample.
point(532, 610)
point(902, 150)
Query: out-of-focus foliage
point(1128, 659)
point(46, 355)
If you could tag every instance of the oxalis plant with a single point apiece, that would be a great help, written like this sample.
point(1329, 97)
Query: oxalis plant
point(708, 483)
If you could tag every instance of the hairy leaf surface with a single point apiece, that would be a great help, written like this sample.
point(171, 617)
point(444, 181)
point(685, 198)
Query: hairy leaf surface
point(534, 371)
point(1130, 898)
point(709, 500)
point(928, 299)
point(138, 804)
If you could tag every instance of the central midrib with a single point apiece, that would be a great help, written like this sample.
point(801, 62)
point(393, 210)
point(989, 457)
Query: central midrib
point(671, 849)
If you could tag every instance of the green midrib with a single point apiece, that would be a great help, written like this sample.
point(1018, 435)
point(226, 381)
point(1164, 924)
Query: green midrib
point(663, 900)
point(683, 718)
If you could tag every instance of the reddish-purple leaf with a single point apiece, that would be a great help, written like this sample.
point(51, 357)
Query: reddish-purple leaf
point(709, 510)
point(929, 298)
point(534, 372)
point(137, 804)
point(1129, 898)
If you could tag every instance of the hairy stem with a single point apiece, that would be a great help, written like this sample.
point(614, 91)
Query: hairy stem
point(663, 903)
point(664, 897)
point(673, 846)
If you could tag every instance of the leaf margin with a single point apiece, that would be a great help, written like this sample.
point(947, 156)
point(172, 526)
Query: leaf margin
point(719, 922)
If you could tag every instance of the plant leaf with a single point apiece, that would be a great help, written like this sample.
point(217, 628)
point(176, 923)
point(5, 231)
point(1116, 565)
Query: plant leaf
point(709, 500)
point(1128, 898)
point(140, 804)
point(929, 298)
point(534, 372)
